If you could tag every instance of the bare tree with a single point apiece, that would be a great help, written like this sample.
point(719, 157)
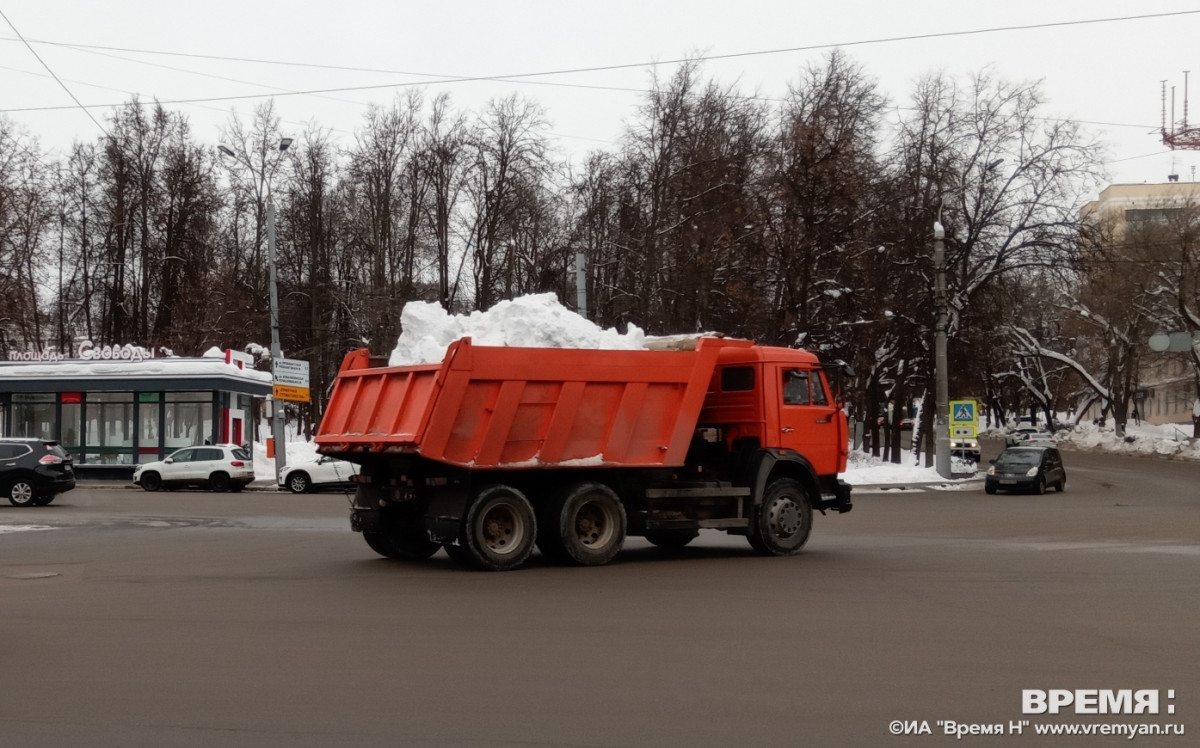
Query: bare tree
point(27, 211)
point(443, 161)
point(511, 164)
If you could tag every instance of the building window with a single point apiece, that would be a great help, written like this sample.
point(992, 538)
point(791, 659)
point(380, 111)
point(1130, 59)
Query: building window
point(72, 417)
point(109, 428)
point(187, 418)
point(33, 415)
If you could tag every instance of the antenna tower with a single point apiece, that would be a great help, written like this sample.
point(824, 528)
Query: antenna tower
point(1180, 135)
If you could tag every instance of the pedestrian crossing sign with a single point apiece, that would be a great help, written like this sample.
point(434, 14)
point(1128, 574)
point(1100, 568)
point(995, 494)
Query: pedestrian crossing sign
point(964, 416)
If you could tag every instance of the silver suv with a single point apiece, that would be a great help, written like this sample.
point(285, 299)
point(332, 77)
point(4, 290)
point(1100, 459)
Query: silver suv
point(219, 467)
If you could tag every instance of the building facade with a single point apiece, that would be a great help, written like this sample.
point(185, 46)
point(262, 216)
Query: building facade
point(1167, 391)
point(114, 408)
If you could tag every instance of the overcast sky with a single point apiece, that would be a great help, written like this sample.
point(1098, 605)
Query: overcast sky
point(223, 54)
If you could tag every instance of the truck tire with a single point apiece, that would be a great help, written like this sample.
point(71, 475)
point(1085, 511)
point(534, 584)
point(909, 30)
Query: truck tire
point(671, 539)
point(500, 529)
point(409, 546)
point(584, 525)
point(401, 535)
point(781, 524)
point(460, 554)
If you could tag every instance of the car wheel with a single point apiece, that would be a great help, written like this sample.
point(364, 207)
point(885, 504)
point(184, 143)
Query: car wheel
point(20, 492)
point(1040, 487)
point(299, 482)
point(219, 482)
point(1061, 485)
point(151, 482)
point(988, 488)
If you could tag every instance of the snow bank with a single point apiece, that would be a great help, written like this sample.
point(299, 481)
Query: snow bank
point(1169, 440)
point(536, 321)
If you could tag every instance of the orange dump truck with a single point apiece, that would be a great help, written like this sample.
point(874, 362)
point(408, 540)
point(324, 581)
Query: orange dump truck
point(496, 450)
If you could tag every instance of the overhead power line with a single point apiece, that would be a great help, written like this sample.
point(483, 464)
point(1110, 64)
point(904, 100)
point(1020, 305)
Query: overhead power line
point(51, 72)
point(517, 77)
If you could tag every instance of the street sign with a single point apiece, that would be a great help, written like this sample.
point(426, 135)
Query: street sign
point(964, 419)
point(290, 380)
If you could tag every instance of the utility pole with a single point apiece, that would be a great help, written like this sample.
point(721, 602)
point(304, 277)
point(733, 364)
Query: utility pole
point(276, 354)
point(941, 421)
point(277, 435)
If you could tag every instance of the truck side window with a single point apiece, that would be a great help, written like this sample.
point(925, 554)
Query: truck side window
point(795, 388)
point(737, 379)
point(818, 392)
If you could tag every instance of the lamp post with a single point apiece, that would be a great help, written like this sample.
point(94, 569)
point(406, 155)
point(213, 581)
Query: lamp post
point(277, 434)
point(941, 421)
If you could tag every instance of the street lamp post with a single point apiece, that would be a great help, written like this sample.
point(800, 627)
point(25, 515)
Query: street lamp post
point(941, 421)
point(277, 434)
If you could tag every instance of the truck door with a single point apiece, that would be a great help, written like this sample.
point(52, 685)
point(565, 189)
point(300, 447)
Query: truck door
point(808, 419)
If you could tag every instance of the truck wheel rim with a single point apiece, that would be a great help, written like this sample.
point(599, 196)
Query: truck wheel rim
point(501, 529)
point(784, 518)
point(595, 525)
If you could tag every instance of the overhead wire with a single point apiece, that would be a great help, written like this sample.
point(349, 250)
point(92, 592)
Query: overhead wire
point(33, 51)
point(442, 79)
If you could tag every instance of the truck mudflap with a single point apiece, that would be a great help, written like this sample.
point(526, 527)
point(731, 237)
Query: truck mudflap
point(838, 501)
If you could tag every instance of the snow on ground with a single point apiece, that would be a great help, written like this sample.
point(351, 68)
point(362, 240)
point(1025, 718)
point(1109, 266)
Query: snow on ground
point(1172, 440)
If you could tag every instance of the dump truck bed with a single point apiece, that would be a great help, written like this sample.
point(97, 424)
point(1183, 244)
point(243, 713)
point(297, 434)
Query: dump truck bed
point(517, 408)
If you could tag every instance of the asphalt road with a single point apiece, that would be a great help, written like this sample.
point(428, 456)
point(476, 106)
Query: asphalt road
point(259, 619)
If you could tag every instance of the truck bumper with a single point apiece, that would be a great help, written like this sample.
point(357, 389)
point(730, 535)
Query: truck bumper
point(839, 501)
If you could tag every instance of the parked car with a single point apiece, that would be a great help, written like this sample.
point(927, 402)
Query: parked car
point(219, 467)
point(1026, 469)
point(34, 471)
point(965, 449)
point(1030, 435)
point(324, 473)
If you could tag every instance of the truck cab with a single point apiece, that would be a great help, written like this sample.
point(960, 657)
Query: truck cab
point(767, 404)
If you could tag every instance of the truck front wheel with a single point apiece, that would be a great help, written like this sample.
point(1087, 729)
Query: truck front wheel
point(782, 522)
point(585, 525)
point(500, 529)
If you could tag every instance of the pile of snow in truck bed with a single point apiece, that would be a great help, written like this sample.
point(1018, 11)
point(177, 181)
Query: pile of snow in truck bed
point(536, 321)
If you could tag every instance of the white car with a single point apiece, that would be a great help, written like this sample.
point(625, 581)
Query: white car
point(1030, 438)
point(965, 449)
point(219, 467)
point(323, 473)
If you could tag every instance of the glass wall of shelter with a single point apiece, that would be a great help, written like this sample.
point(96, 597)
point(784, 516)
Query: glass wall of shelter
point(110, 427)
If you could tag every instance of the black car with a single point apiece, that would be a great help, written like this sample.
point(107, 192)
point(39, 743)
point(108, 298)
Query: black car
point(34, 471)
point(1026, 469)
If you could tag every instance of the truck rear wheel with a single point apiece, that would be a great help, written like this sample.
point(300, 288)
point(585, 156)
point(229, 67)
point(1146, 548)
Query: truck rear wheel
point(585, 525)
point(500, 529)
point(401, 546)
point(781, 524)
point(671, 539)
point(401, 536)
